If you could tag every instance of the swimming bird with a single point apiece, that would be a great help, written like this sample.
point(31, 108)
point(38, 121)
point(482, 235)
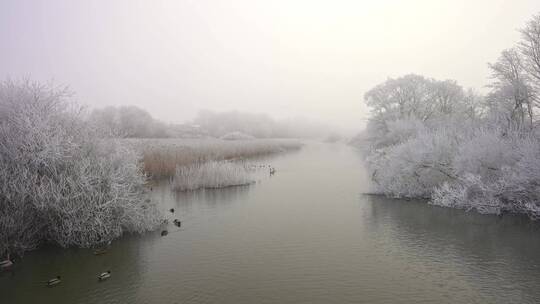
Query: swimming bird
point(105, 275)
point(164, 232)
point(177, 223)
point(6, 264)
point(171, 210)
point(100, 251)
point(54, 281)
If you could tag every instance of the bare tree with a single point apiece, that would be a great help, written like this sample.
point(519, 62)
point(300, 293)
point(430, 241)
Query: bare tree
point(512, 85)
point(415, 97)
point(529, 46)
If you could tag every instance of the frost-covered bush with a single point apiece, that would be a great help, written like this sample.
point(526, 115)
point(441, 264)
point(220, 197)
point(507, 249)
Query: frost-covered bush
point(414, 167)
point(510, 183)
point(484, 152)
point(487, 169)
point(399, 131)
point(429, 138)
point(61, 182)
point(215, 174)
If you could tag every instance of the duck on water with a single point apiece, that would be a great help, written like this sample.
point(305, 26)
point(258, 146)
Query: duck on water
point(100, 251)
point(7, 263)
point(104, 276)
point(54, 281)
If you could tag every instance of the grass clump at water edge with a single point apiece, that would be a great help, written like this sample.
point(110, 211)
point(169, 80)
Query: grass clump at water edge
point(216, 174)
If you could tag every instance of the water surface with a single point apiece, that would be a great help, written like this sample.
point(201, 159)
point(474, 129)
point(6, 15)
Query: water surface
point(305, 235)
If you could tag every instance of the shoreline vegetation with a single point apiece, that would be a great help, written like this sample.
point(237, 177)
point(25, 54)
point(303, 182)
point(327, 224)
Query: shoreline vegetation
point(162, 157)
point(67, 180)
point(61, 181)
point(208, 163)
point(217, 174)
point(433, 139)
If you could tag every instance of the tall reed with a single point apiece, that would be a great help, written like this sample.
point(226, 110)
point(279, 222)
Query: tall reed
point(161, 157)
point(216, 174)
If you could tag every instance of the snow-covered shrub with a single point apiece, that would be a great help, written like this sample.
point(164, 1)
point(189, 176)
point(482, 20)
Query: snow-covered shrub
point(413, 168)
point(389, 133)
point(431, 138)
point(474, 167)
point(470, 192)
point(510, 184)
point(215, 174)
point(401, 130)
point(484, 152)
point(61, 182)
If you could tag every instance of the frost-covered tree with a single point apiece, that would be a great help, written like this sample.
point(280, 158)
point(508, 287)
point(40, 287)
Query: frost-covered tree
point(512, 88)
point(429, 138)
point(128, 122)
point(529, 46)
point(60, 181)
point(416, 97)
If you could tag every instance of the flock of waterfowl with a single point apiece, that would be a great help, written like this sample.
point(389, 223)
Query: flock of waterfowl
point(101, 277)
point(8, 263)
point(176, 222)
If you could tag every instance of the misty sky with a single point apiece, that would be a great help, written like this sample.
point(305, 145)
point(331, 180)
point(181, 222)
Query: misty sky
point(285, 58)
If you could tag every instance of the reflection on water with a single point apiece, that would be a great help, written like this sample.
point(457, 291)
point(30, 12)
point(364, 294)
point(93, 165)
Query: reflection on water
point(209, 197)
point(494, 258)
point(305, 235)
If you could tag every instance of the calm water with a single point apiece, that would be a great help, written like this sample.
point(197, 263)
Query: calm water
point(306, 235)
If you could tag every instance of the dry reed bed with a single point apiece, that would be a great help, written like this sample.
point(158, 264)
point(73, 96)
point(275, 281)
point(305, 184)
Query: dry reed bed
point(216, 174)
point(162, 156)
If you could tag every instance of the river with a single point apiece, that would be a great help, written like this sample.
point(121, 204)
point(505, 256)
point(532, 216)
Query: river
point(305, 235)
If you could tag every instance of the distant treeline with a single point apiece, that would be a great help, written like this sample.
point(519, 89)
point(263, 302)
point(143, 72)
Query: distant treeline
point(134, 122)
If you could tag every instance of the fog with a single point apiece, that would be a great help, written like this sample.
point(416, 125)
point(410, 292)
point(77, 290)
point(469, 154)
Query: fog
point(269, 151)
point(313, 59)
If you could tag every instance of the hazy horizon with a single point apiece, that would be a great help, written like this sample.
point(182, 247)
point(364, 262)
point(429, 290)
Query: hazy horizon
point(313, 59)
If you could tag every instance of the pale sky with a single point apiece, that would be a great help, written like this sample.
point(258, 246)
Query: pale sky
point(285, 58)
